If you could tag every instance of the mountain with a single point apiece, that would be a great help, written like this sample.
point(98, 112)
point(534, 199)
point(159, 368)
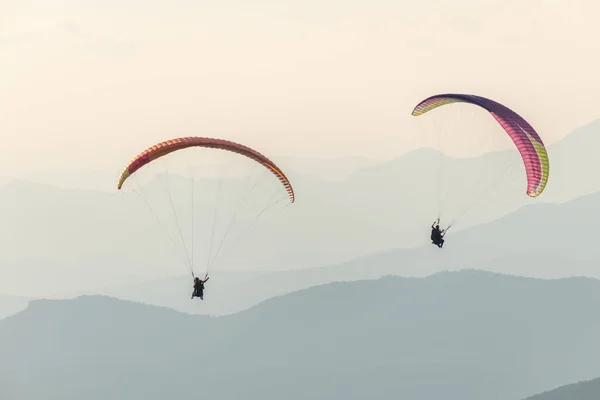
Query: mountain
point(571, 164)
point(327, 169)
point(466, 335)
point(516, 244)
point(10, 305)
point(542, 241)
point(104, 180)
point(59, 241)
point(589, 390)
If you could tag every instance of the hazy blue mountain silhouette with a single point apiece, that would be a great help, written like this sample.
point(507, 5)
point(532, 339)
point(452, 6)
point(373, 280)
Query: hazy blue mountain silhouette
point(104, 180)
point(572, 164)
point(328, 169)
point(466, 335)
point(10, 305)
point(537, 241)
point(588, 390)
point(543, 241)
point(49, 233)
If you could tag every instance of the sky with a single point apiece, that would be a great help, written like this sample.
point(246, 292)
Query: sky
point(89, 84)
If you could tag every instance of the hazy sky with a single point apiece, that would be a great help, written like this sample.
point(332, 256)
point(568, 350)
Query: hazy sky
point(92, 83)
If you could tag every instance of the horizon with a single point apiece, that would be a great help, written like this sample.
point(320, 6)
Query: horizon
point(323, 171)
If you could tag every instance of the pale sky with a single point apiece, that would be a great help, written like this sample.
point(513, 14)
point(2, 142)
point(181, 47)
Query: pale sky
point(92, 83)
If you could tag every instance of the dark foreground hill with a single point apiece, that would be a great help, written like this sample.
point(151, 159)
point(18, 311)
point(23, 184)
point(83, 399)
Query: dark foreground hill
point(463, 335)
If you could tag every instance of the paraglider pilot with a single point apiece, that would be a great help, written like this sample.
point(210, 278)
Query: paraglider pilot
point(199, 287)
point(437, 235)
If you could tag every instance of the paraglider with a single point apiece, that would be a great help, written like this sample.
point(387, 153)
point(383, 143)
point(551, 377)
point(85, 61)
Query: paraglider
point(199, 287)
point(171, 148)
point(164, 148)
point(437, 234)
point(525, 138)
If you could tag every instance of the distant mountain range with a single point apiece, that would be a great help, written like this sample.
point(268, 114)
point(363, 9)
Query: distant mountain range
point(543, 241)
point(467, 335)
point(65, 241)
point(516, 244)
point(99, 180)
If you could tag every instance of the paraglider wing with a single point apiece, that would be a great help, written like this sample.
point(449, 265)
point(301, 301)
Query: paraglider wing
point(170, 146)
point(528, 142)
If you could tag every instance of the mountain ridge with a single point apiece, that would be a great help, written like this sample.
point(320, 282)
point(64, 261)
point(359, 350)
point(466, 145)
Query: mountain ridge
point(118, 240)
point(467, 334)
point(583, 390)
